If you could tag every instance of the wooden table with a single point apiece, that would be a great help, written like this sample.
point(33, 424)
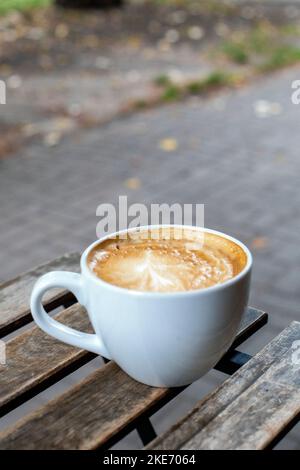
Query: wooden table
point(252, 409)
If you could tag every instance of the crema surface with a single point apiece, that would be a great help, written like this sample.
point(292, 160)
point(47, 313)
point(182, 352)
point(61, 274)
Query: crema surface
point(167, 260)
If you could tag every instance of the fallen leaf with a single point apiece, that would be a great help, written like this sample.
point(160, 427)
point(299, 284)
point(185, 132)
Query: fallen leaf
point(30, 130)
point(264, 108)
point(195, 33)
point(222, 29)
point(259, 243)
point(61, 31)
point(62, 124)
point(134, 41)
point(14, 81)
point(91, 41)
point(163, 46)
point(5, 69)
point(149, 53)
point(133, 183)
point(280, 158)
point(52, 139)
point(168, 145)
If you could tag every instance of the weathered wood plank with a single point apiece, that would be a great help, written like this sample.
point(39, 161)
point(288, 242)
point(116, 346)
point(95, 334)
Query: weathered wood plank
point(249, 409)
point(15, 294)
point(88, 415)
point(35, 359)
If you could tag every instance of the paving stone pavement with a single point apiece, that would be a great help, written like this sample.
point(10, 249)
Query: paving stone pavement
point(244, 168)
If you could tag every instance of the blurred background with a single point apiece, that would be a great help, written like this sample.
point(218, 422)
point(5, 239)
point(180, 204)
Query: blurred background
point(163, 101)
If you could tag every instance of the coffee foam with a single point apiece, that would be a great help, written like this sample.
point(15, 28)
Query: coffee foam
point(161, 261)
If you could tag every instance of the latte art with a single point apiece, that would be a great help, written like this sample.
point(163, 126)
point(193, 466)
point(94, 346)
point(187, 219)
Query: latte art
point(166, 264)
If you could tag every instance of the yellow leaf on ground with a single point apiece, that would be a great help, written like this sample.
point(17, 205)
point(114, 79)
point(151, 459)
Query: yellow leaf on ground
point(259, 243)
point(52, 139)
point(61, 31)
point(133, 183)
point(91, 40)
point(168, 145)
point(134, 41)
point(195, 32)
point(281, 158)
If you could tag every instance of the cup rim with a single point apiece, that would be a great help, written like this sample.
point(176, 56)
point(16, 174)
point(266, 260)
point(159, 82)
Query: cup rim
point(136, 293)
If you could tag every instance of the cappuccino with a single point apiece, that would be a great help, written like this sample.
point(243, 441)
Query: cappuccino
point(167, 260)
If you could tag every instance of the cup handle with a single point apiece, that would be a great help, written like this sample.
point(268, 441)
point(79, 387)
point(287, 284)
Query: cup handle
point(72, 282)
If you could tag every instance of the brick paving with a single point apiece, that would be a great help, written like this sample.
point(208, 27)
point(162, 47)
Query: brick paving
point(244, 168)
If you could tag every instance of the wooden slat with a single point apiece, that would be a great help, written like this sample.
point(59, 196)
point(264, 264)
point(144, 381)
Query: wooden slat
point(15, 294)
point(87, 416)
point(249, 409)
point(35, 359)
point(91, 413)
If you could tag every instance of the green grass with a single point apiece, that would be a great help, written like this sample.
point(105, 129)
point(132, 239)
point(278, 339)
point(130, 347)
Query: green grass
point(141, 104)
point(243, 45)
point(214, 80)
point(9, 5)
point(174, 92)
point(236, 52)
point(281, 56)
point(260, 40)
point(162, 80)
point(290, 29)
point(264, 46)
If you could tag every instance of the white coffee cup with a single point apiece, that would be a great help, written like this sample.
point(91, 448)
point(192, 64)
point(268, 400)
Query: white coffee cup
point(160, 339)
